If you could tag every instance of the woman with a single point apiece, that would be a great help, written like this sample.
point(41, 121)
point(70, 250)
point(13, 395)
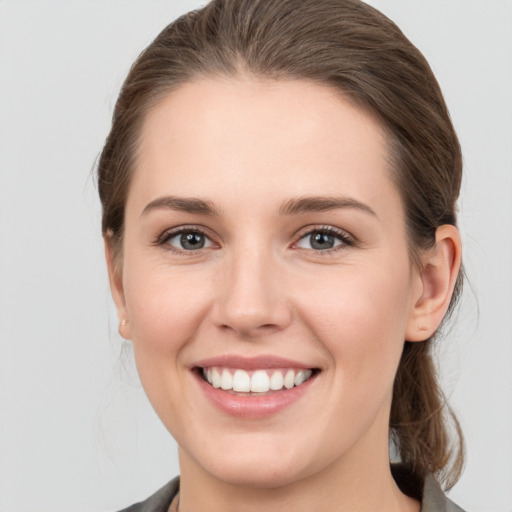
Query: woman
point(278, 193)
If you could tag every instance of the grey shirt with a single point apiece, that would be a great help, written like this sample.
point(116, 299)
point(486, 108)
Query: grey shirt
point(433, 499)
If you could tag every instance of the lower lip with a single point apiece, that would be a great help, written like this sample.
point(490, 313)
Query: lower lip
point(253, 407)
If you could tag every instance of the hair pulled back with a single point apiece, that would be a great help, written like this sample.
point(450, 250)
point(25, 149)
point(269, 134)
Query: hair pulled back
point(353, 48)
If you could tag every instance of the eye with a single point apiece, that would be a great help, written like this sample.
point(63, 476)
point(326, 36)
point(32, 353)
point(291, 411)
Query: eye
point(323, 239)
point(186, 240)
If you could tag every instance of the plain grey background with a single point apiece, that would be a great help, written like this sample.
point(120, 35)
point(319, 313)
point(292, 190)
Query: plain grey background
point(76, 432)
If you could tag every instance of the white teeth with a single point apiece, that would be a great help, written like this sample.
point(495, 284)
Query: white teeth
point(226, 380)
point(289, 379)
point(276, 381)
point(260, 381)
point(302, 376)
point(299, 378)
point(241, 381)
point(215, 382)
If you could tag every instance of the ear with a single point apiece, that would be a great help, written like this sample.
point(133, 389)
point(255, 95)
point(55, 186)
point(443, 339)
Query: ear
point(437, 277)
point(115, 276)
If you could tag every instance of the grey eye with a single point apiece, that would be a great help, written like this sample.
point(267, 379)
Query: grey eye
point(189, 241)
point(320, 241)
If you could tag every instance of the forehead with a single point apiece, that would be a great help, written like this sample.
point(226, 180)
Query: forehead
point(243, 138)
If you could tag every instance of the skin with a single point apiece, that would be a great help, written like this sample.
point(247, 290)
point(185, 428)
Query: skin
point(258, 287)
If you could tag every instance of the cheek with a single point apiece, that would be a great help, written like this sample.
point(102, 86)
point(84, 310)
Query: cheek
point(360, 315)
point(165, 305)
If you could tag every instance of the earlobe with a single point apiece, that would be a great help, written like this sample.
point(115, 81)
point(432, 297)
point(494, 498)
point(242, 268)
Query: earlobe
point(116, 286)
point(438, 275)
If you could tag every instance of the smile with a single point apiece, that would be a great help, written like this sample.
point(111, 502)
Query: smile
point(256, 387)
point(255, 381)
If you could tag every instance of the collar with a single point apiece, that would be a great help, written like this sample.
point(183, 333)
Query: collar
point(430, 494)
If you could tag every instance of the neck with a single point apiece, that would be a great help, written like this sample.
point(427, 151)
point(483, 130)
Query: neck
point(359, 482)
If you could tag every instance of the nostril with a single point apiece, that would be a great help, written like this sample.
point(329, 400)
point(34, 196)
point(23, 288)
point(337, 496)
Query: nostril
point(250, 309)
point(247, 330)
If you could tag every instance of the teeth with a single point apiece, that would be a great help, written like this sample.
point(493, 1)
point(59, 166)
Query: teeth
point(300, 377)
point(241, 381)
point(276, 381)
point(226, 380)
point(289, 379)
point(261, 381)
point(215, 382)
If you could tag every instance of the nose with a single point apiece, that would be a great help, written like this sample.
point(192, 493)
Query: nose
point(252, 299)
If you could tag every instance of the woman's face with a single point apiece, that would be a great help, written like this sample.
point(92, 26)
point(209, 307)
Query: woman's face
point(265, 244)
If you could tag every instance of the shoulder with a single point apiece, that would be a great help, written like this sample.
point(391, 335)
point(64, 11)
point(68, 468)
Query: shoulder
point(428, 492)
point(434, 499)
point(158, 502)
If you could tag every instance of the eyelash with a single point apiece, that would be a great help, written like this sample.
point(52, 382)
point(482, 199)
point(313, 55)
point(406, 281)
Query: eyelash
point(164, 238)
point(346, 239)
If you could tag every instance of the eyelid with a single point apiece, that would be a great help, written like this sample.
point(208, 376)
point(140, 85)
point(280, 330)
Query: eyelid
point(346, 238)
point(168, 234)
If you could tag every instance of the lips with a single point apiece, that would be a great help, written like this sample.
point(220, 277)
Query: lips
point(253, 387)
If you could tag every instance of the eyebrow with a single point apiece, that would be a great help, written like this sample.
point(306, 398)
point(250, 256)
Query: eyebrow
point(321, 204)
point(182, 204)
point(291, 207)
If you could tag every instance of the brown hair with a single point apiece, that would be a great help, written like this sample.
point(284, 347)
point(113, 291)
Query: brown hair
point(355, 49)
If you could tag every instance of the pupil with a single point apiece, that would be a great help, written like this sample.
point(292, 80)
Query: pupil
point(322, 241)
point(192, 241)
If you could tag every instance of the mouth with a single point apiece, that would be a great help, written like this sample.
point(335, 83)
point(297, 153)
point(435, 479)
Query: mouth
point(254, 387)
point(256, 382)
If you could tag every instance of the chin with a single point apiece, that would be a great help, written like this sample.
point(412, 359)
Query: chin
point(258, 469)
point(264, 477)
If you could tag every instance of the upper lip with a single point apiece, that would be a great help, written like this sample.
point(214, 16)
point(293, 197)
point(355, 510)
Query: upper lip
point(251, 363)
